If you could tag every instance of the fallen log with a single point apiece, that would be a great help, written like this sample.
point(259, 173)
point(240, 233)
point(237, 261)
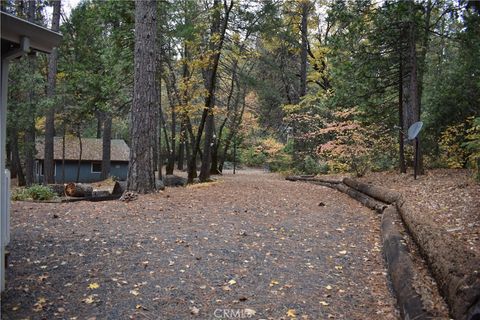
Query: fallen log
point(400, 268)
point(58, 189)
point(382, 194)
point(456, 268)
point(174, 181)
point(78, 190)
point(312, 179)
point(361, 197)
point(338, 185)
point(106, 186)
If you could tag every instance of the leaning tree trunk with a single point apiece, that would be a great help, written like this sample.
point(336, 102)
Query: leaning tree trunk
point(50, 114)
point(141, 176)
point(106, 145)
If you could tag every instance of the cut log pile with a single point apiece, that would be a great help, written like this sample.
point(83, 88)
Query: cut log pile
point(455, 268)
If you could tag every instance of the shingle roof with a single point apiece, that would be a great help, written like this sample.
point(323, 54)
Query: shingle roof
point(91, 149)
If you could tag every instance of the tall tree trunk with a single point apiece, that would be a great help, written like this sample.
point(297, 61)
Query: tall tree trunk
point(207, 148)
point(160, 126)
point(64, 133)
point(181, 147)
point(16, 163)
point(50, 114)
point(305, 8)
point(80, 153)
point(401, 137)
point(145, 99)
point(211, 81)
point(106, 145)
point(233, 131)
point(100, 120)
point(29, 149)
point(173, 128)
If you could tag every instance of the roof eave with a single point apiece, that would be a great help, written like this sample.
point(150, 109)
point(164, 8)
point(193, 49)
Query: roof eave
point(13, 29)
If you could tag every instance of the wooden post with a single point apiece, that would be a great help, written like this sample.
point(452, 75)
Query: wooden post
point(415, 169)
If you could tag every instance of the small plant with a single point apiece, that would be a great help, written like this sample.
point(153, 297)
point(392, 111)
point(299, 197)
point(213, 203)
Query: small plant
point(311, 166)
point(35, 192)
point(19, 194)
point(473, 146)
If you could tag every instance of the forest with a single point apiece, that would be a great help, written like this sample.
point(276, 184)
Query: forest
point(298, 86)
point(121, 142)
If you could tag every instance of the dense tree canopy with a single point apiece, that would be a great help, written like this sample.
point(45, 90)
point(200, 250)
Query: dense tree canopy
point(306, 85)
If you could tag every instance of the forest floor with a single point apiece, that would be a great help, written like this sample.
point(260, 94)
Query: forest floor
point(249, 243)
point(449, 198)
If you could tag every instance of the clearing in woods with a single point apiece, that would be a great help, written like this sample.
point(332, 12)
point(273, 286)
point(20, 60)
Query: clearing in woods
point(244, 243)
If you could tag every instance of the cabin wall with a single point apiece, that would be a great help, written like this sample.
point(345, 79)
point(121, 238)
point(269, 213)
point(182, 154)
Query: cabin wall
point(118, 170)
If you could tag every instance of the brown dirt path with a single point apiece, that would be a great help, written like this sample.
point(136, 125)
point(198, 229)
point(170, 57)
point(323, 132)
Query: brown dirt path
point(253, 241)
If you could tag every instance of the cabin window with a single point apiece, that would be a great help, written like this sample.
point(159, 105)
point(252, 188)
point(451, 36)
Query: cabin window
point(96, 167)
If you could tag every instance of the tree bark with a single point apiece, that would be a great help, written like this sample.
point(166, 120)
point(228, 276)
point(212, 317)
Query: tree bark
point(16, 163)
point(173, 128)
point(181, 147)
point(305, 8)
point(401, 137)
point(79, 164)
point(29, 150)
point(211, 82)
point(106, 145)
point(454, 266)
point(141, 176)
point(50, 114)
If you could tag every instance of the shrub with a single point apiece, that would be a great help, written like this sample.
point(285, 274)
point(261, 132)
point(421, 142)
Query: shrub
point(20, 194)
point(348, 145)
point(453, 153)
point(311, 166)
point(472, 145)
point(35, 192)
point(267, 152)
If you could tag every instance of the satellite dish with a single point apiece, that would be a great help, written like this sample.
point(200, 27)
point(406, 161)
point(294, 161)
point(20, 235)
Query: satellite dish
point(414, 130)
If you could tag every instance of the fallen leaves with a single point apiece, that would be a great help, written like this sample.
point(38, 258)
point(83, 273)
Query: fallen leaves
point(89, 299)
point(40, 304)
point(93, 285)
point(134, 292)
point(291, 313)
point(274, 283)
point(194, 311)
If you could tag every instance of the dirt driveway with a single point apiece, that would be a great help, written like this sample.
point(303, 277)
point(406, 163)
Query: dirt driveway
point(248, 244)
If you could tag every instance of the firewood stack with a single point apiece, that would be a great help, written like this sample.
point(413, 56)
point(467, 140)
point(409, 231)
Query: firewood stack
point(128, 196)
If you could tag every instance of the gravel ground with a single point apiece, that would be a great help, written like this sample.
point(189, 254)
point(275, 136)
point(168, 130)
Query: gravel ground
point(246, 244)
